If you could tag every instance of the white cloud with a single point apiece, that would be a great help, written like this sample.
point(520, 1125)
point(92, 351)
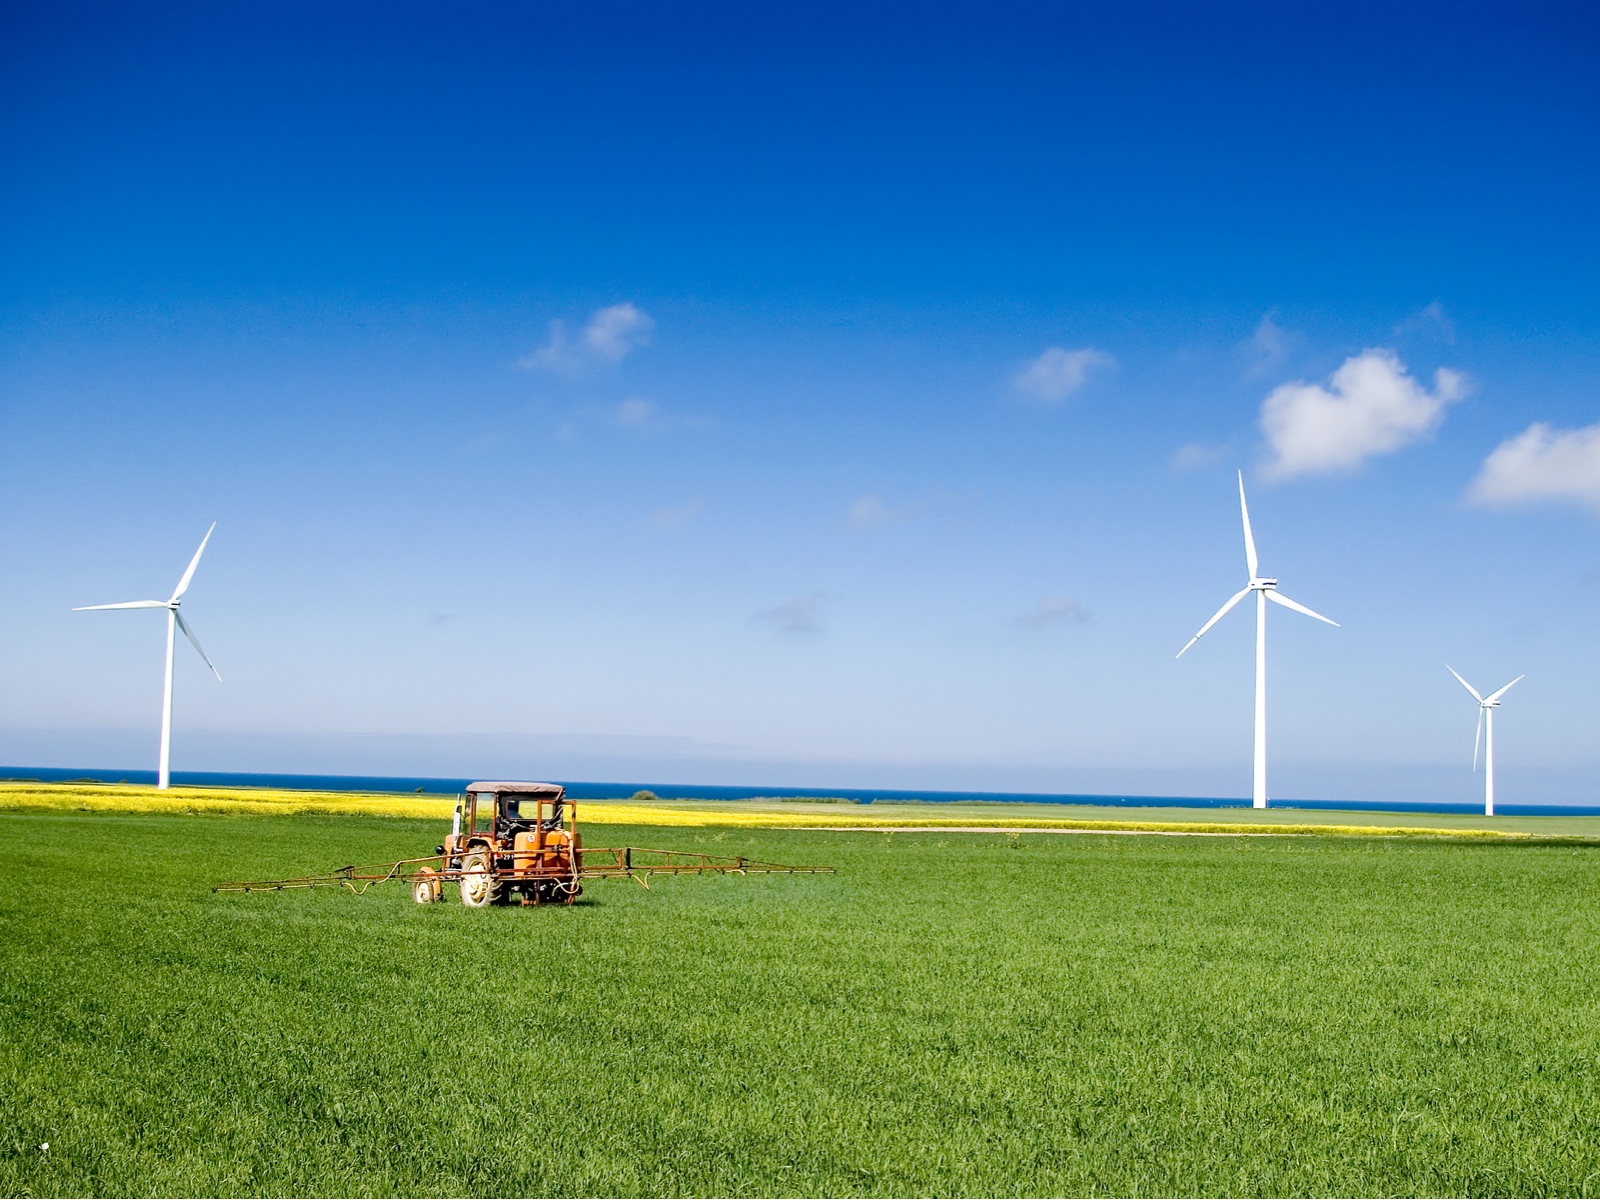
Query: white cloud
point(611, 334)
point(803, 614)
point(870, 511)
point(1371, 406)
point(1057, 373)
point(1542, 465)
point(1053, 610)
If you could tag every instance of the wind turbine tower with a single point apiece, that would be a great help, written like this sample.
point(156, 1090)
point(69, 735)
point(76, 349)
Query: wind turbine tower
point(175, 622)
point(1265, 589)
point(1486, 706)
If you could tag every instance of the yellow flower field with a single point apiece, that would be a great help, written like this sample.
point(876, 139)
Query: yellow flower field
point(84, 797)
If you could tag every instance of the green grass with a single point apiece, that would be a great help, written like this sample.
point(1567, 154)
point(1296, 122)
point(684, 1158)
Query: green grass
point(950, 1014)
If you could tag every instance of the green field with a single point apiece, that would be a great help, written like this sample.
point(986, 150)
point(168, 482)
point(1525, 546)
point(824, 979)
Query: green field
point(949, 1014)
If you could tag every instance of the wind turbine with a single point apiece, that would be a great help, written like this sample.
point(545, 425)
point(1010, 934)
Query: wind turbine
point(175, 621)
point(1265, 589)
point(1486, 706)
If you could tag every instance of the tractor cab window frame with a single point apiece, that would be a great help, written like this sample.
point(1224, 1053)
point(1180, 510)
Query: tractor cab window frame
point(514, 811)
point(473, 799)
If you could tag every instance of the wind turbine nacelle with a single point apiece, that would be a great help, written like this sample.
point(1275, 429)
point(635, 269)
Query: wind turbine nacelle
point(1260, 584)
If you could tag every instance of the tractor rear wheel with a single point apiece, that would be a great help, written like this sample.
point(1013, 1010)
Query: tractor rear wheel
point(479, 887)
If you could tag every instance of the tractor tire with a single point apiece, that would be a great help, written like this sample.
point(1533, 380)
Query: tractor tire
point(425, 887)
point(479, 887)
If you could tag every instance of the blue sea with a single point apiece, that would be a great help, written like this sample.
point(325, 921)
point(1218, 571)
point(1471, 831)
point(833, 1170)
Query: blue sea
point(592, 790)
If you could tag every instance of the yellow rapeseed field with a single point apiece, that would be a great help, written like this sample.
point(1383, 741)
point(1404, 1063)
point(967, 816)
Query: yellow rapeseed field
point(599, 813)
point(85, 797)
point(126, 798)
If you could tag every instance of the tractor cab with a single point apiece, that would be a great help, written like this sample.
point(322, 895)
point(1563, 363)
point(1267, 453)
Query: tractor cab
point(496, 812)
point(511, 839)
point(520, 812)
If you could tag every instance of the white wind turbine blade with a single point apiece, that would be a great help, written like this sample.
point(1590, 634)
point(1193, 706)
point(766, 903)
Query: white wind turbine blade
point(1249, 538)
point(1221, 612)
point(183, 584)
point(1279, 598)
point(128, 604)
point(195, 642)
point(1493, 696)
point(1477, 738)
point(1468, 686)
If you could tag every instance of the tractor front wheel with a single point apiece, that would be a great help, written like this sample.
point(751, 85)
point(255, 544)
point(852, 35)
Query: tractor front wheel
point(479, 887)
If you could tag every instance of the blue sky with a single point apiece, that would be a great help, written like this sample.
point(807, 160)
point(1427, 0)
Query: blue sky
point(813, 395)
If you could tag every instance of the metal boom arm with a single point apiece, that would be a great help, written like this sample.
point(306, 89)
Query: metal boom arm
point(619, 862)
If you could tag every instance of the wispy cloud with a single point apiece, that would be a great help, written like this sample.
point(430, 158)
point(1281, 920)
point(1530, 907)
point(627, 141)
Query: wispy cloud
point(870, 512)
point(1269, 347)
point(1542, 465)
point(610, 336)
point(1430, 319)
point(558, 354)
point(635, 415)
point(635, 412)
point(1195, 454)
point(1370, 407)
point(1057, 373)
point(802, 615)
point(676, 518)
point(1053, 610)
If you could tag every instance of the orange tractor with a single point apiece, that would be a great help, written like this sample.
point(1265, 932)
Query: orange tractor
point(509, 840)
point(519, 841)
